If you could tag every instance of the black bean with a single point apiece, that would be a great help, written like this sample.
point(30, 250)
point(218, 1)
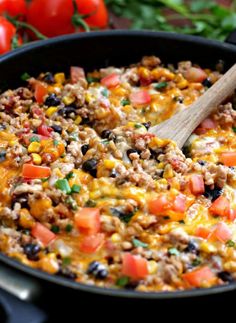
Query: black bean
point(225, 276)
point(2, 126)
point(85, 121)
point(57, 128)
point(207, 83)
point(49, 78)
point(84, 148)
point(66, 111)
point(192, 248)
point(31, 250)
point(52, 100)
point(2, 155)
point(66, 272)
point(22, 199)
point(212, 194)
point(90, 166)
point(108, 134)
point(147, 125)
point(113, 173)
point(97, 269)
point(201, 162)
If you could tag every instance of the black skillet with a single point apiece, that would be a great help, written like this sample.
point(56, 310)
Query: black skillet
point(94, 50)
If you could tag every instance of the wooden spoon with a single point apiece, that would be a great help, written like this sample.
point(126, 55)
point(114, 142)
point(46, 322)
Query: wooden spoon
point(181, 125)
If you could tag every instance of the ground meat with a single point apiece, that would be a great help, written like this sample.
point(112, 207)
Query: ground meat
point(150, 61)
point(26, 188)
point(226, 116)
point(215, 175)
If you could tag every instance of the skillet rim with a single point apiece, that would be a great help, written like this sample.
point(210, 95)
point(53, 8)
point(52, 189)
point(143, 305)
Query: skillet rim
point(95, 289)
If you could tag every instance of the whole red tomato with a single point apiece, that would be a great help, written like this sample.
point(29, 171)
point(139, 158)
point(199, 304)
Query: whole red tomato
point(13, 7)
point(54, 17)
point(7, 34)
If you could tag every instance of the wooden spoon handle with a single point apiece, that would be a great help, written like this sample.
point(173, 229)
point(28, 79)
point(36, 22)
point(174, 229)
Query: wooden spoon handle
point(182, 124)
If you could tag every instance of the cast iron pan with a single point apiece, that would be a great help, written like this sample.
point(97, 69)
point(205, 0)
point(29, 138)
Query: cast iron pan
point(94, 50)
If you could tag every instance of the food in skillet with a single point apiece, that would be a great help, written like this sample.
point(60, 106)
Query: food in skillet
point(87, 193)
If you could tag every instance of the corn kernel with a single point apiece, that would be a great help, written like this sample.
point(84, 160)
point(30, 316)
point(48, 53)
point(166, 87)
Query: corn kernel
point(208, 247)
point(183, 84)
point(26, 220)
point(115, 238)
point(109, 164)
point(168, 172)
point(152, 267)
point(37, 159)
point(88, 97)
point(34, 147)
point(78, 120)
point(49, 263)
point(50, 111)
point(12, 143)
point(67, 100)
point(59, 78)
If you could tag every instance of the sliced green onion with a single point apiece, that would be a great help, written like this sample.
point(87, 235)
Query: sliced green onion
point(70, 175)
point(122, 281)
point(137, 243)
point(72, 203)
point(230, 243)
point(34, 139)
point(25, 76)
point(161, 85)
point(173, 251)
point(55, 142)
point(66, 261)
point(91, 79)
point(55, 228)
point(75, 188)
point(105, 92)
point(125, 102)
point(234, 129)
point(138, 125)
point(69, 227)
point(63, 185)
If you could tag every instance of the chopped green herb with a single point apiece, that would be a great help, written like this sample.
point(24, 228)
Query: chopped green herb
point(43, 180)
point(73, 136)
point(196, 262)
point(105, 141)
point(25, 76)
point(70, 175)
point(161, 85)
point(105, 92)
point(173, 251)
point(91, 79)
point(138, 125)
point(63, 185)
point(137, 243)
point(71, 203)
point(123, 216)
point(90, 203)
point(234, 129)
point(55, 228)
point(34, 139)
point(75, 188)
point(122, 281)
point(230, 243)
point(125, 102)
point(55, 142)
point(66, 261)
point(69, 228)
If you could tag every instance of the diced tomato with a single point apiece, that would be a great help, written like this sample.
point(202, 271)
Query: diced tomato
point(232, 215)
point(111, 80)
point(179, 204)
point(44, 130)
point(140, 97)
point(206, 125)
point(42, 233)
point(221, 206)
point(76, 73)
point(228, 158)
point(38, 112)
point(197, 184)
point(40, 92)
point(134, 266)
point(198, 277)
point(221, 232)
point(195, 74)
point(203, 232)
point(88, 220)
point(33, 171)
point(91, 243)
point(159, 205)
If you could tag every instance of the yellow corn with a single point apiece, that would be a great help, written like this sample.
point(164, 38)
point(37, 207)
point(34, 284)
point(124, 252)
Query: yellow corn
point(119, 91)
point(115, 238)
point(182, 84)
point(26, 220)
point(12, 143)
point(208, 247)
point(59, 78)
point(78, 120)
point(34, 147)
point(88, 97)
point(109, 164)
point(50, 111)
point(152, 267)
point(49, 263)
point(67, 100)
point(37, 160)
point(168, 172)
